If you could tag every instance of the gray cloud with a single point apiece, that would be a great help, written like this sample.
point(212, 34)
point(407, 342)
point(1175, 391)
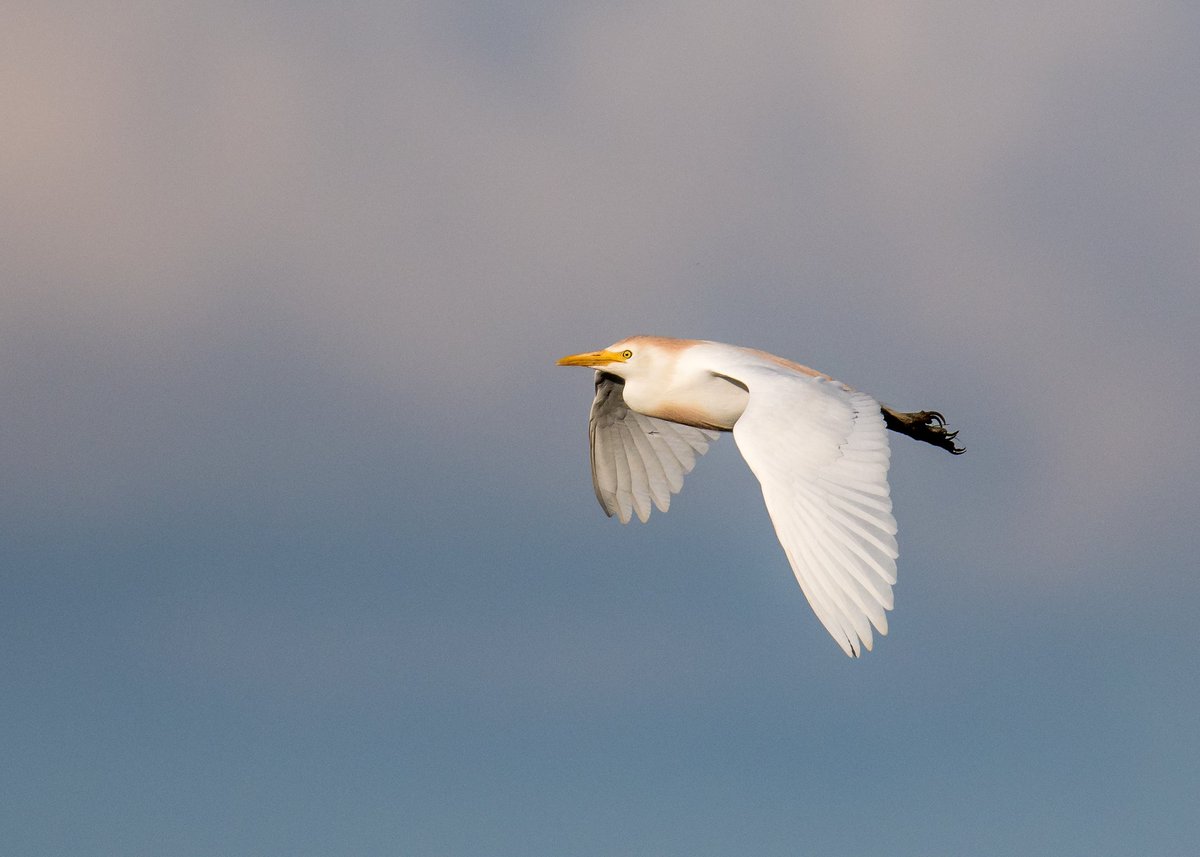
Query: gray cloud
point(429, 203)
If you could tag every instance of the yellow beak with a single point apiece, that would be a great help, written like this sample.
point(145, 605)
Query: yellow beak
point(592, 358)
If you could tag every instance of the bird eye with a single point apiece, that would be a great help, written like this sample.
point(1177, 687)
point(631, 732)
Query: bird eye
point(626, 353)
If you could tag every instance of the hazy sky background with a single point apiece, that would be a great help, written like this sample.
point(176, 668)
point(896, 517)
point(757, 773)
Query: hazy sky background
point(300, 554)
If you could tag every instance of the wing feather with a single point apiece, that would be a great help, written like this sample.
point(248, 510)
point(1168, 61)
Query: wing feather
point(652, 466)
point(819, 554)
point(639, 481)
point(878, 587)
point(638, 460)
point(821, 454)
point(624, 481)
point(840, 577)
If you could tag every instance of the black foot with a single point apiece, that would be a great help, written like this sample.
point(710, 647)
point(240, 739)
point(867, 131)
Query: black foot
point(929, 426)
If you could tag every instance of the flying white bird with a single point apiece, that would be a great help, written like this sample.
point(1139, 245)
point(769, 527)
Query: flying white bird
point(818, 447)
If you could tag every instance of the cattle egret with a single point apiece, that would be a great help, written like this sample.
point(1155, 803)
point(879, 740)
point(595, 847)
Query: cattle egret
point(818, 447)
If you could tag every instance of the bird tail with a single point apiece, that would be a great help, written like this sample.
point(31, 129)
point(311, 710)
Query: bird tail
point(929, 426)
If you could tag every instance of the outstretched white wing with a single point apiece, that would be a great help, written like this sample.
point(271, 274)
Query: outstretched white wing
point(821, 454)
point(638, 459)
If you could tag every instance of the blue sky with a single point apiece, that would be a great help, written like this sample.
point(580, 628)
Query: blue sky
point(300, 553)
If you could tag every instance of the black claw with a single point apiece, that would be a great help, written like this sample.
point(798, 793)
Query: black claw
point(929, 426)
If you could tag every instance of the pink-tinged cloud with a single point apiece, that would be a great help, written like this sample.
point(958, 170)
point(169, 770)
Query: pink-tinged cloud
point(435, 222)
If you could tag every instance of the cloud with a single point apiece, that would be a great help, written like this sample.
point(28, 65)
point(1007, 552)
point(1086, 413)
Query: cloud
point(426, 203)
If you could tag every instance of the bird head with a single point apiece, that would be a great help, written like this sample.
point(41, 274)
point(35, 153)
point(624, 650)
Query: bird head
point(620, 359)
